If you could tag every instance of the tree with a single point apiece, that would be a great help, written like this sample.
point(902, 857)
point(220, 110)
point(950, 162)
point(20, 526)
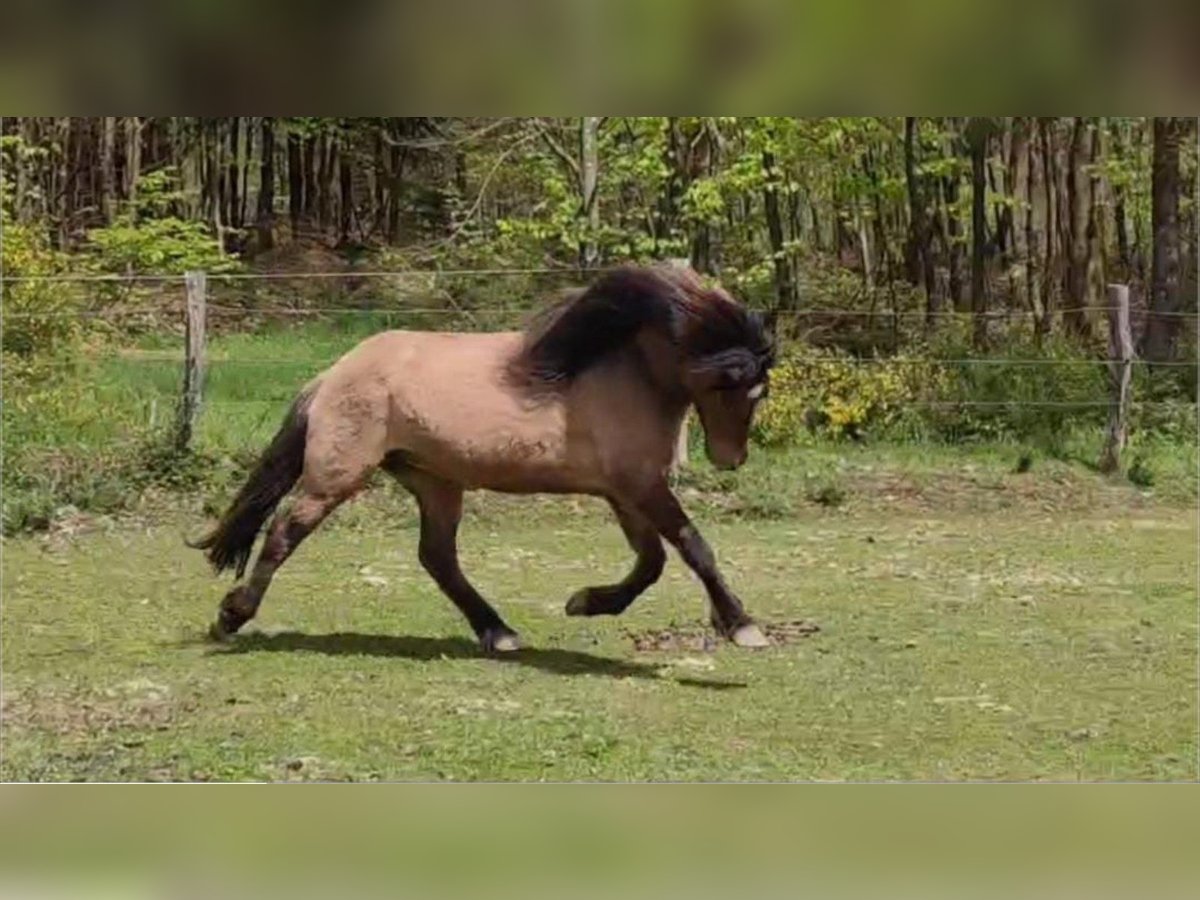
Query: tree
point(108, 170)
point(264, 218)
point(1163, 325)
point(295, 182)
point(589, 176)
point(1079, 228)
point(919, 248)
point(978, 135)
point(785, 287)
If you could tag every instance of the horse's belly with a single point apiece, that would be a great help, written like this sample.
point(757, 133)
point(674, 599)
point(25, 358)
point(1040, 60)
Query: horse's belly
point(513, 454)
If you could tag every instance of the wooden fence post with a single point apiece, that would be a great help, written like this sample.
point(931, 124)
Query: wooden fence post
point(193, 364)
point(1120, 377)
point(679, 459)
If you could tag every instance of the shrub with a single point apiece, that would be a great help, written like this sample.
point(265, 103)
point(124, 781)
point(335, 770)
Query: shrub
point(825, 392)
point(39, 316)
point(149, 238)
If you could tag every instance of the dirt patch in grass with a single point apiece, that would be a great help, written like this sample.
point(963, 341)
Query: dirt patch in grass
point(699, 640)
point(134, 705)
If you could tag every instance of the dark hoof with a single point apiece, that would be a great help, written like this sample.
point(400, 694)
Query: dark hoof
point(579, 605)
point(598, 601)
point(232, 615)
point(499, 640)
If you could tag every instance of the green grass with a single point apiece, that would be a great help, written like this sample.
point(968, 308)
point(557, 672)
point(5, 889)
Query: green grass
point(977, 620)
point(994, 628)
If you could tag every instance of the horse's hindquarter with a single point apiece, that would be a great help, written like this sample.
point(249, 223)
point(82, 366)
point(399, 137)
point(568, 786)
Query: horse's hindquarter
point(454, 413)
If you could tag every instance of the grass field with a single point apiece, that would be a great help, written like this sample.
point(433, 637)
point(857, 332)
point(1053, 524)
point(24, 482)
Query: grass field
point(972, 625)
point(970, 622)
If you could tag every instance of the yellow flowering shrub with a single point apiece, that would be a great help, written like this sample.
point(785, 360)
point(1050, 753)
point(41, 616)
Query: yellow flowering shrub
point(824, 392)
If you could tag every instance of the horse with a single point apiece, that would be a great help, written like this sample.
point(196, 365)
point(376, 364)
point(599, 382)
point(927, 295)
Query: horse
point(587, 399)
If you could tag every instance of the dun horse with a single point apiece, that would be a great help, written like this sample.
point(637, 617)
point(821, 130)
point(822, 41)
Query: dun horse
point(588, 399)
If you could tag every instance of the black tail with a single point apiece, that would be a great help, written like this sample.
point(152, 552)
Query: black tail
point(279, 467)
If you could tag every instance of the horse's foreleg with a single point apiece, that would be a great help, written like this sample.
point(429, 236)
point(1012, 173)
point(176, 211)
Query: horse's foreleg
point(612, 599)
point(728, 616)
point(440, 503)
point(284, 535)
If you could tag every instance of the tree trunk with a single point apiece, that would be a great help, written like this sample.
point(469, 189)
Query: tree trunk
point(231, 176)
point(108, 169)
point(1050, 183)
point(378, 193)
point(346, 198)
point(295, 183)
point(919, 249)
point(310, 179)
point(1120, 214)
point(265, 214)
point(785, 289)
point(394, 184)
point(589, 172)
point(883, 256)
point(1163, 325)
point(1097, 232)
point(217, 181)
point(245, 159)
point(133, 161)
point(952, 239)
point(1077, 296)
point(1018, 181)
point(1003, 193)
point(1035, 224)
point(977, 136)
point(328, 163)
point(667, 220)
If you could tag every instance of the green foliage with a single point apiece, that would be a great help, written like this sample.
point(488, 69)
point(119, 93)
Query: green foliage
point(38, 314)
point(828, 393)
point(1021, 389)
point(1140, 472)
point(149, 238)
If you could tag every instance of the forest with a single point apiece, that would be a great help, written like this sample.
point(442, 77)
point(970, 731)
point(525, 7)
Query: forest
point(974, 215)
point(900, 254)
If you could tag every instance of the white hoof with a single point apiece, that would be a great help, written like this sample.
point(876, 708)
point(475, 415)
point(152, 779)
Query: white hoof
point(750, 635)
point(501, 642)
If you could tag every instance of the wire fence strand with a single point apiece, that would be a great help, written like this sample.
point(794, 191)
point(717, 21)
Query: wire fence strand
point(933, 362)
point(830, 312)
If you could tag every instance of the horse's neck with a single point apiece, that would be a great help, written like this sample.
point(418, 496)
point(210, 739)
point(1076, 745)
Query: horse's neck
point(636, 377)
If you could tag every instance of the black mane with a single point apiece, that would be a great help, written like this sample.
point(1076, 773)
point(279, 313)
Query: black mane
point(711, 329)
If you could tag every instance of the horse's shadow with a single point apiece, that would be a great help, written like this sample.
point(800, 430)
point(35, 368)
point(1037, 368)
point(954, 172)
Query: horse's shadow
point(428, 649)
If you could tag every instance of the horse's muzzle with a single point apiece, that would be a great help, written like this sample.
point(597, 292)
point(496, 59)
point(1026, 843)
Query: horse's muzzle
point(728, 461)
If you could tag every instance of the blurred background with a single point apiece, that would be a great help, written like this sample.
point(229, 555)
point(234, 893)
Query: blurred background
point(941, 289)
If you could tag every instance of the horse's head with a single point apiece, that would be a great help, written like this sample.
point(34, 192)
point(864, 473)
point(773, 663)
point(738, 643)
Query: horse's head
point(726, 396)
point(727, 384)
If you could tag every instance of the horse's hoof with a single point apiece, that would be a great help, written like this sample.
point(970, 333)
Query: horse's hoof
point(749, 635)
point(219, 634)
point(495, 641)
point(578, 604)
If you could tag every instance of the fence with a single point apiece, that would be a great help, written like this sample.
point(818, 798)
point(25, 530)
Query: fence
point(197, 309)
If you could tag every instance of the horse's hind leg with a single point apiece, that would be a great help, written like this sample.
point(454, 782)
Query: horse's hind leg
point(440, 503)
point(612, 599)
point(286, 531)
